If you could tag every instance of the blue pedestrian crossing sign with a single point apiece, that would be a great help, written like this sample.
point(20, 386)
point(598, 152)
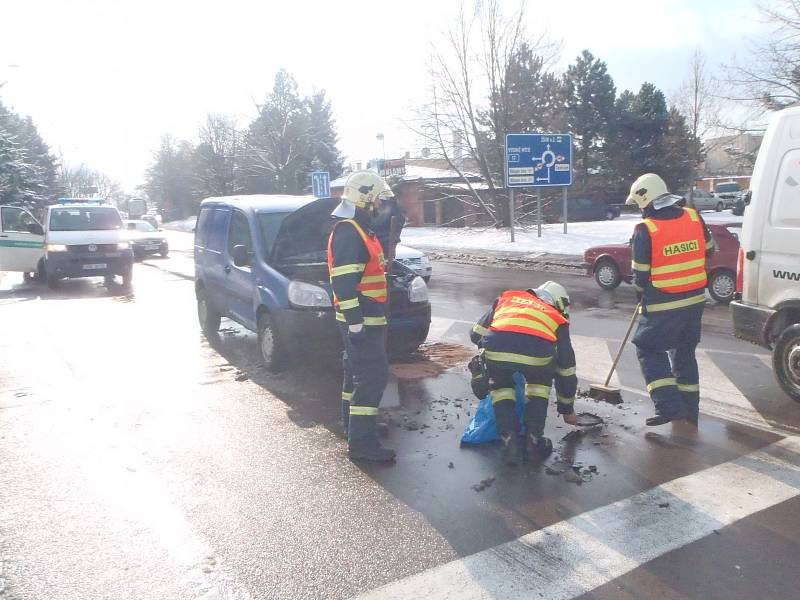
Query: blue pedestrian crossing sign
point(538, 159)
point(321, 184)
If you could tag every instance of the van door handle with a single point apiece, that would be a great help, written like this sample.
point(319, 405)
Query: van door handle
point(227, 269)
point(3, 235)
point(750, 254)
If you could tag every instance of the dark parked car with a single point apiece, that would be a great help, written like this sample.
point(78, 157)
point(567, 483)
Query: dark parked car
point(146, 239)
point(261, 261)
point(583, 209)
point(610, 264)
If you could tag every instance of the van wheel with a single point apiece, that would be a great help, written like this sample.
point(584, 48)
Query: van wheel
point(786, 361)
point(209, 319)
point(273, 353)
point(719, 207)
point(722, 285)
point(607, 275)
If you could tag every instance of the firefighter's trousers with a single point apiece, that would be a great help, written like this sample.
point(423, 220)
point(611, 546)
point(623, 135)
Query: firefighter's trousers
point(538, 381)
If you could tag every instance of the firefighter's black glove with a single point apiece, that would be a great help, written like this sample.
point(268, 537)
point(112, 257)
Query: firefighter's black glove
point(356, 334)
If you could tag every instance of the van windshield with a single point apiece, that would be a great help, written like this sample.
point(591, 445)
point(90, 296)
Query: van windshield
point(84, 218)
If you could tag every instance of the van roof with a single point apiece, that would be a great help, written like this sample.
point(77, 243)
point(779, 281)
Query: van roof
point(262, 202)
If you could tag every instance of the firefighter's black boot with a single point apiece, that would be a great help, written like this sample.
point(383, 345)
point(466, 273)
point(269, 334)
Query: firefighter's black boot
point(535, 417)
point(382, 428)
point(363, 441)
point(508, 430)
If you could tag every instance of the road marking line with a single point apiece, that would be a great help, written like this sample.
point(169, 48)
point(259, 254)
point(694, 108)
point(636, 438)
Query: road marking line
point(594, 359)
point(585, 552)
point(720, 397)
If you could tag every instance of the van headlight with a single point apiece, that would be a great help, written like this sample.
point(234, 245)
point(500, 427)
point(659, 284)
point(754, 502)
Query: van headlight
point(56, 248)
point(418, 290)
point(307, 295)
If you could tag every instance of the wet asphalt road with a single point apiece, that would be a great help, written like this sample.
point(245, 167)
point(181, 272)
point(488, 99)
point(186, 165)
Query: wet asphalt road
point(140, 460)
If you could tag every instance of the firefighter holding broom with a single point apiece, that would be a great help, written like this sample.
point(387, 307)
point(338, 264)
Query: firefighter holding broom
point(527, 332)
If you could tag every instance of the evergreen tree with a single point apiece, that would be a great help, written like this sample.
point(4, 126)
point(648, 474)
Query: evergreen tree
point(323, 152)
point(278, 141)
point(589, 95)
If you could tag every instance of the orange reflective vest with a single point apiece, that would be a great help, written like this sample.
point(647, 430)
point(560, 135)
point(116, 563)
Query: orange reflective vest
point(522, 312)
point(373, 277)
point(678, 253)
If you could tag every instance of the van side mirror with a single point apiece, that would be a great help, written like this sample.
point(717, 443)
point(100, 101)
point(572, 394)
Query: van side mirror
point(35, 229)
point(240, 255)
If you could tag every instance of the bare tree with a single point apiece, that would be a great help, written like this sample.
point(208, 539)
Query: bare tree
point(770, 79)
point(468, 69)
point(218, 157)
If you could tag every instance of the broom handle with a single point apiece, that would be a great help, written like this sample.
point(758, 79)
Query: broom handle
point(624, 341)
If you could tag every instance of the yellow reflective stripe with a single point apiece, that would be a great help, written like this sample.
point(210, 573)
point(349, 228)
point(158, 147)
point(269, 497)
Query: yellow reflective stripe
point(527, 311)
point(502, 394)
point(651, 226)
point(640, 266)
point(347, 396)
point(374, 320)
point(689, 264)
point(566, 372)
point(480, 329)
point(363, 411)
point(535, 389)
point(676, 303)
point(345, 304)
point(661, 283)
point(565, 399)
point(373, 279)
point(659, 383)
point(340, 317)
point(346, 269)
point(373, 293)
point(524, 359)
point(692, 214)
point(689, 387)
point(524, 323)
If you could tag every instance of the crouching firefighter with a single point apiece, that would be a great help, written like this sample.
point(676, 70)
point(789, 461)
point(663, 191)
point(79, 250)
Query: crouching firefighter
point(527, 332)
point(670, 247)
point(360, 294)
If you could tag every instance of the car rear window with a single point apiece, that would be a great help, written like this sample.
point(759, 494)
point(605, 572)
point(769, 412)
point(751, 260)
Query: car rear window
point(723, 188)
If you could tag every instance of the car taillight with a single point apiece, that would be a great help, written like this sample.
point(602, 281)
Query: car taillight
point(740, 271)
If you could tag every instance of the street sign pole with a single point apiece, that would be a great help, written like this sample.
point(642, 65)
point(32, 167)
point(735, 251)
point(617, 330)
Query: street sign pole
point(566, 217)
point(511, 210)
point(539, 213)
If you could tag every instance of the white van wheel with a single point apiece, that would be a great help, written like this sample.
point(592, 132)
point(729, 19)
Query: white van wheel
point(786, 361)
point(269, 344)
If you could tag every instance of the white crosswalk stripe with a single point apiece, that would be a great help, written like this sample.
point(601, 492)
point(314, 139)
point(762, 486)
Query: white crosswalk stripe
point(585, 552)
point(594, 359)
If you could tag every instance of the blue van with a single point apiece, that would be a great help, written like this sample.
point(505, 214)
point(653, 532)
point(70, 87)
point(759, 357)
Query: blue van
point(261, 261)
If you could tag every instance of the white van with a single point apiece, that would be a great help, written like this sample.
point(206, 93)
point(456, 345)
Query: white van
point(79, 239)
point(769, 258)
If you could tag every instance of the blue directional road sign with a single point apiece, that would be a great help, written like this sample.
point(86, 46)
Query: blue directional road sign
point(538, 159)
point(321, 184)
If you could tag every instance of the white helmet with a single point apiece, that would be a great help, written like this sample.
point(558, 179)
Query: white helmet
point(555, 295)
point(360, 191)
point(650, 188)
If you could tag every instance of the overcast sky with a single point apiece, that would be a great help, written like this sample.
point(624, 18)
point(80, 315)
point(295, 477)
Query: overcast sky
point(105, 79)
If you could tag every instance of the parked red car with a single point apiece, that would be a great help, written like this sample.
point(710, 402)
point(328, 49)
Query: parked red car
point(611, 264)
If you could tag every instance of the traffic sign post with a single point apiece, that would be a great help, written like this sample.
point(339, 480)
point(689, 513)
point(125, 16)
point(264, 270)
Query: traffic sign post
point(321, 184)
point(539, 160)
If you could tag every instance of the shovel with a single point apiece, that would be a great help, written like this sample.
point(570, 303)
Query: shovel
point(607, 393)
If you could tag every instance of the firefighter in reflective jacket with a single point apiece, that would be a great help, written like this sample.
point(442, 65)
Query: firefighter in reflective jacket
point(527, 332)
point(670, 247)
point(360, 293)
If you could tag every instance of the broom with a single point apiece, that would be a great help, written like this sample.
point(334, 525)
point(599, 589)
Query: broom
point(604, 392)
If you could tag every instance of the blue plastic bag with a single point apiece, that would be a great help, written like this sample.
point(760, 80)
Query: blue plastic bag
point(482, 427)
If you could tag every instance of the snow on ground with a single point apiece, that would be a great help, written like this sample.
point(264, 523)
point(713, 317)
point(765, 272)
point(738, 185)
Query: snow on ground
point(580, 236)
point(186, 225)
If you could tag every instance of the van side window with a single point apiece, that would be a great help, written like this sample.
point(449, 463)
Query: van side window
point(15, 219)
point(786, 200)
point(239, 232)
point(217, 229)
point(202, 227)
